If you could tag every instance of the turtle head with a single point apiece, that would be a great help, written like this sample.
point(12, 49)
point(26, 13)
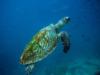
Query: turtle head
point(66, 20)
point(62, 22)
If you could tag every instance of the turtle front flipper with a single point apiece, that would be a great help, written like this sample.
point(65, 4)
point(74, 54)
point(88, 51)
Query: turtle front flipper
point(65, 41)
point(29, 68)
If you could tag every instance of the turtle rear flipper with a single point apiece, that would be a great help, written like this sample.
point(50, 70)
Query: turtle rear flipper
point(29, 68)
point(65, 41)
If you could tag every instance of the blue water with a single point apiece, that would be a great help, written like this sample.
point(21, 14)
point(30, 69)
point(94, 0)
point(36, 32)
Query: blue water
point(21, 19)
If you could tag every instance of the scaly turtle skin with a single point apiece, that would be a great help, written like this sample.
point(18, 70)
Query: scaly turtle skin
point(43, 43)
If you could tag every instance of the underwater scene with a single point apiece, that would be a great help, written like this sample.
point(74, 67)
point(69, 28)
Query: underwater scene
point(50, 37)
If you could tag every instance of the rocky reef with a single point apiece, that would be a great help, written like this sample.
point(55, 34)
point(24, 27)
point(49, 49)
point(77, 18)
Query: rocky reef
point(84, 67)
point(76, 67)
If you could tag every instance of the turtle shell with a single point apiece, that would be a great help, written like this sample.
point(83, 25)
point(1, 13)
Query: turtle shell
point(41, 45)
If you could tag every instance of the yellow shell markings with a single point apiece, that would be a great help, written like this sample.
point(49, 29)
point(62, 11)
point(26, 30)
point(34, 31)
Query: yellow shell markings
point(37, 48)
point(31, 49)
point(45, 46)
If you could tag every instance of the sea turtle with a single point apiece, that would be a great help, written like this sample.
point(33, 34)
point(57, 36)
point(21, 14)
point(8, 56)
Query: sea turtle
point(44, 43)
